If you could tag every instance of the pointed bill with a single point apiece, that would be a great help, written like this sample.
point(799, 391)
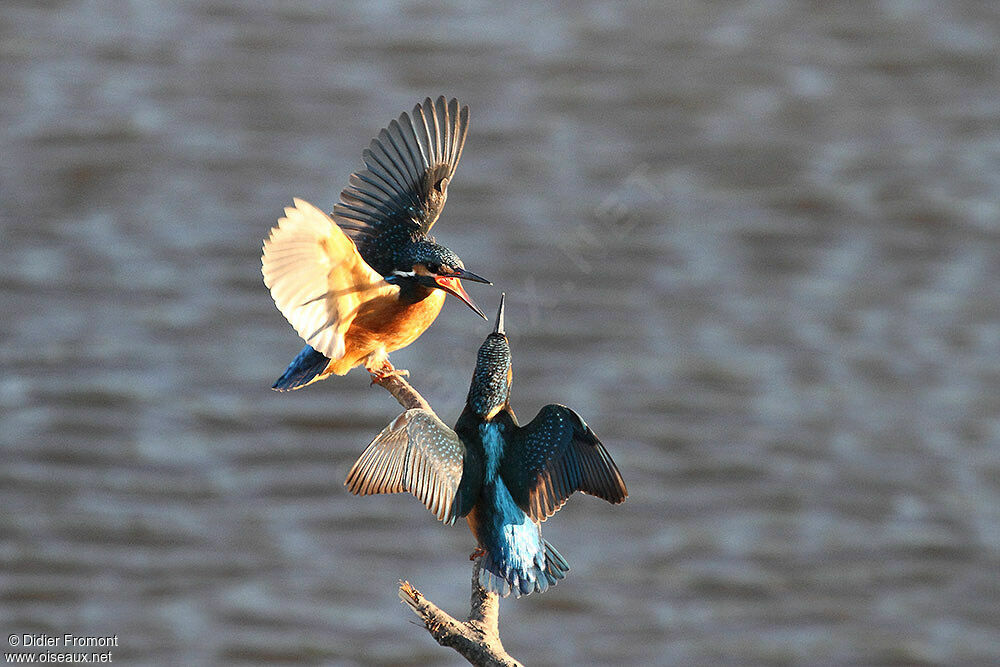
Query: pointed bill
point(499, 325)
point(453, 286)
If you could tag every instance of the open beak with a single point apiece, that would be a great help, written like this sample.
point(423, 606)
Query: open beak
point(453, 285)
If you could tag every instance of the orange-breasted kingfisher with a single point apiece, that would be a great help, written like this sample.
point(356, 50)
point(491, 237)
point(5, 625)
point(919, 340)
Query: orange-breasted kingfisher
point(370, 280)
point(504, 478)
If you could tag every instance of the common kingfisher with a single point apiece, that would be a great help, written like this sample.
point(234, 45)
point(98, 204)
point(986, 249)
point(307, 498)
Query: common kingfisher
point(503, 477)
point(370, 280)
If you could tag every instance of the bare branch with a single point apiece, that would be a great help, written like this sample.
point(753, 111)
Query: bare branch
point(478, 638)
point(402, 391)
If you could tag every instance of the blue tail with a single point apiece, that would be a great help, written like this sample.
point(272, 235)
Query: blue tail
point(304, 368)
point(517, 558)
point(544, 570)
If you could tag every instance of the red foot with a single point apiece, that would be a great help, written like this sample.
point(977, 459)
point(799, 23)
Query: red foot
point(387, 371)
point(479, 552)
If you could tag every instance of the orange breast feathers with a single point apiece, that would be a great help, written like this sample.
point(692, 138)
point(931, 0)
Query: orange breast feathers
point(384, 325)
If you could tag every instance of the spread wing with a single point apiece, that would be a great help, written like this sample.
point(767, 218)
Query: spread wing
point(553, 456)
point(405, 183)
point(418, 453)
point(316, 277)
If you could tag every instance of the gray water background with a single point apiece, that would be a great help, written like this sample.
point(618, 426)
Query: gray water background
point(754, 244)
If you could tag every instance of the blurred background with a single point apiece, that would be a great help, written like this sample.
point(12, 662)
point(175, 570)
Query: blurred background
point(755, 244)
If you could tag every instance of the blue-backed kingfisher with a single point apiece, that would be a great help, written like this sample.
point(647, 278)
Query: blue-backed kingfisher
point(370, 280)
point(505, 478)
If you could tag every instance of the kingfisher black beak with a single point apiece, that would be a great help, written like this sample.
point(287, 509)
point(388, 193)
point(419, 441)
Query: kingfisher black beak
point(452, 285)
point(498, 329)
point(469, 275)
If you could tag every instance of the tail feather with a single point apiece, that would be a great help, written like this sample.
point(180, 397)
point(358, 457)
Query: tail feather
point(556, 566)
point(536, 577)
point(304, 369)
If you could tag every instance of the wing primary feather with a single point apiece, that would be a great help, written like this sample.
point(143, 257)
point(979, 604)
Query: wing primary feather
point(381, 471)
point(432, 488)
point(407, 195)
point(423, 482)
point(358, 479)
point(352, 194)
point(451, 126)
point(376, 479)
point(585, 469)
point(564, 485)
point(392, 165)
point(360, 213)
point(425, 140)
point(602, 473)
point(460, 135)
point(414, 128)
point(418, 158)
point(426, 486)
point(381, 170)
point(407, 465)
point(395, 136)
point(444, 115)
point(438, 142)
point(361, 179)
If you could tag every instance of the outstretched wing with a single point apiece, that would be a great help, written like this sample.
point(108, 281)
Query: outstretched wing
point(555, 455)
point(418, 453)
point(316, 277)
point(405, 183)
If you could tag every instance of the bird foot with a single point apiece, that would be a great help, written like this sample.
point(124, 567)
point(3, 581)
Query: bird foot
point(384, 373)
point(478, 552)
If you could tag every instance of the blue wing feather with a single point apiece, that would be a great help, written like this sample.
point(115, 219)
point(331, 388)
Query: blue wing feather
point(553, 456)
point(304, 368)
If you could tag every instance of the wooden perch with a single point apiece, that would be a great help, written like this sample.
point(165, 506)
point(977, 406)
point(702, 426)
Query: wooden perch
point(478, 638)
point(402, 391)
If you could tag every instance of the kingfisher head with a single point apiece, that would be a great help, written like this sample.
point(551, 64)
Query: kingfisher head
point(436, 267)
point(490, 389)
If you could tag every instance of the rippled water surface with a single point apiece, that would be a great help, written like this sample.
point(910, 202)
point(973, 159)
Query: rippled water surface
point(755, 244)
